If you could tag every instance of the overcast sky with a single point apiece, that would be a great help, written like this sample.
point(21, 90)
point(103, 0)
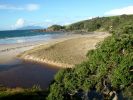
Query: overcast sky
point(19, 13)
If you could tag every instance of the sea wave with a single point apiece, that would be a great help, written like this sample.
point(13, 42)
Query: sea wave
point(23, 39)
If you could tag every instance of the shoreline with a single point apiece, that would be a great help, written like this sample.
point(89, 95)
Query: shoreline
point(46, 61)
point(9, 52)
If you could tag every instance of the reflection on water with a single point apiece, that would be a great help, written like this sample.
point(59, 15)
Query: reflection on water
point(26, 75)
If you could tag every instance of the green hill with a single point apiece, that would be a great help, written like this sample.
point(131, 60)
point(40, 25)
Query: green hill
point(55, 28)
point(102, 23)
point(97, 24)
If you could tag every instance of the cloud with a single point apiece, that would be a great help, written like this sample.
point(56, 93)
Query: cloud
point(19, 23)
point(32, 7)
point(120, 11)
point(48, 20)
point(10, 7)
point(28, 7)
point(91, 17)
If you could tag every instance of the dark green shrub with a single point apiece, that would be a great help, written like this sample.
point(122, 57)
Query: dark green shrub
point(110, 63)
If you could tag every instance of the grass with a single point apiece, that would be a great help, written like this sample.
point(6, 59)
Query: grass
point(33, 93)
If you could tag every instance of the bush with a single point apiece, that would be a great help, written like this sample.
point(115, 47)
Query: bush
point(108, 69)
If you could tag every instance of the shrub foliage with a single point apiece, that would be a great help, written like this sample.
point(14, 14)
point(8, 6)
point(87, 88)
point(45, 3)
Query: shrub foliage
point(109, 69)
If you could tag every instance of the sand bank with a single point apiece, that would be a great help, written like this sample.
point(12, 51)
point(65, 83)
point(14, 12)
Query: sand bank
point(8, 53)
point(65, 52)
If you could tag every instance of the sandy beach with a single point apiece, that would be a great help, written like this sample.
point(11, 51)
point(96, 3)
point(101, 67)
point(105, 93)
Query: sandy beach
point(8, 53)
point(65, 52)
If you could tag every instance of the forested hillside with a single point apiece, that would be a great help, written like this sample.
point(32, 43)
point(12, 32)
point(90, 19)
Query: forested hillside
point(97, 24)
point(102, 23)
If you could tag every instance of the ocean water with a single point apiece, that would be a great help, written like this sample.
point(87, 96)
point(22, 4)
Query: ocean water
point(21, 36)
